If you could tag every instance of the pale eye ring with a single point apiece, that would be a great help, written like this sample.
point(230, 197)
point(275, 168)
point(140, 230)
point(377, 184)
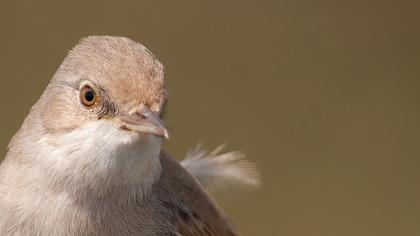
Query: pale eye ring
point(88, 96)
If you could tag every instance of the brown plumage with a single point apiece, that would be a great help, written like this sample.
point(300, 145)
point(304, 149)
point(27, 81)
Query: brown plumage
point(88, 159)
point(186, 205)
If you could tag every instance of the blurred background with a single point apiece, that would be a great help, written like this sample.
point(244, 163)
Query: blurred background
point(323, 95)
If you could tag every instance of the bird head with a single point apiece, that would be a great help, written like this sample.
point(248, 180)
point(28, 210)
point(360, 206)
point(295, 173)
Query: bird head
point(98, 123)
point(111, 80)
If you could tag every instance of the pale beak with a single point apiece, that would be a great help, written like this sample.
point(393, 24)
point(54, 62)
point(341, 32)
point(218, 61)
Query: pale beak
point(145, 122)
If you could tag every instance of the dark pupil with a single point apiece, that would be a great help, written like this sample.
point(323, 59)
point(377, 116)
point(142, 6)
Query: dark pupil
point(89, 96)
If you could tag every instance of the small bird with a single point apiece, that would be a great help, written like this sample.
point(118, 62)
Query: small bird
point(88, 159)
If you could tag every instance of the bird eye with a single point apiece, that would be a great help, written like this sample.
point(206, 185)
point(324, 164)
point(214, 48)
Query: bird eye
point(88, 96)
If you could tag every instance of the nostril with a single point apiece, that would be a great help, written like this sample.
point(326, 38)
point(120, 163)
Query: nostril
point(142, 111)
point(142, 115)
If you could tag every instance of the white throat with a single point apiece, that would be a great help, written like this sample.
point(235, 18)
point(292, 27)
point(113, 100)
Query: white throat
point(99, 160)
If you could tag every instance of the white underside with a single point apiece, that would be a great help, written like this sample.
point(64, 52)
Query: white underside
point(83, 165)
point(101, 151)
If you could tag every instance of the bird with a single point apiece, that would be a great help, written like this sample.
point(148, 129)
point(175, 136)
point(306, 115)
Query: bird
point(88, 158)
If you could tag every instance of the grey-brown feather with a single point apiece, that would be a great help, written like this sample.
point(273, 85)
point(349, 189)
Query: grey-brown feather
point(222, 172)
point(192, 211)
point(70, 172)
point(177, 203)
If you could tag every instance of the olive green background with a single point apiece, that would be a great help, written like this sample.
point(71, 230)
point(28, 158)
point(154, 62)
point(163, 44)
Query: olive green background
point(323, 95)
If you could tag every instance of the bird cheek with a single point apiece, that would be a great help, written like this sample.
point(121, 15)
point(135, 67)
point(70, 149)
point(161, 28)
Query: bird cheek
point(61, 114)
